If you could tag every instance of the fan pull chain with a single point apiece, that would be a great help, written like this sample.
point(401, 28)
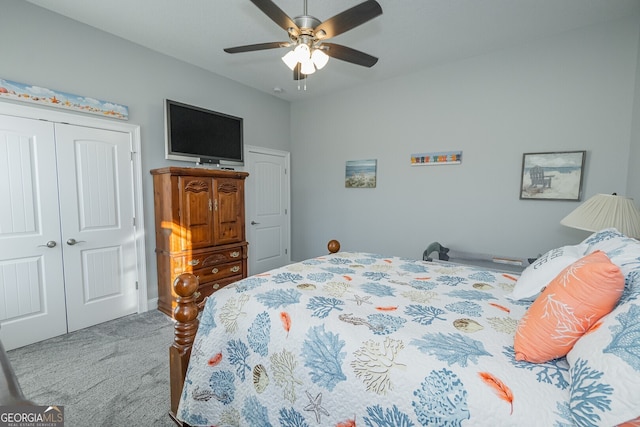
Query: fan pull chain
point(304, 86)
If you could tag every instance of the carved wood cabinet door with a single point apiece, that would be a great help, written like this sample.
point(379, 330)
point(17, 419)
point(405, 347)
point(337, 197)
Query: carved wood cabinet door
point(196, 212)
point(228, 211)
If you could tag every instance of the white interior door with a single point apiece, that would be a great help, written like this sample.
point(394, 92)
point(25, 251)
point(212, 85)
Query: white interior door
point(68, 255)
point(97, 213)
point(32, 303)
point(267, 204)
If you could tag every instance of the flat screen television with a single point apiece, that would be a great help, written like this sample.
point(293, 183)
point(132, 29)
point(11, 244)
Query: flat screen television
point(199, 135)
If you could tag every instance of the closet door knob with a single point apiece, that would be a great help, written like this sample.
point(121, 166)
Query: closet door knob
point(49, 244)
point(72, 242)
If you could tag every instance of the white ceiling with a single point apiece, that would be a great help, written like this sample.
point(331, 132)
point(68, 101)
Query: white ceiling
point(409, 35)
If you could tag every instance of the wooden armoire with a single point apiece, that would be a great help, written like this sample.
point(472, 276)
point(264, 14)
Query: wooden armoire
point(200, 229)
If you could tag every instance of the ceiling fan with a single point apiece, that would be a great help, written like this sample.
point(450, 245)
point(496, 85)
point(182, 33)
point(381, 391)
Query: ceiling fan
point(307, 36)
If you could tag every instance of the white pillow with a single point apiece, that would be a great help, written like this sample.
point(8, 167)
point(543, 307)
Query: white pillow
point(622, 250)
point(538, 275)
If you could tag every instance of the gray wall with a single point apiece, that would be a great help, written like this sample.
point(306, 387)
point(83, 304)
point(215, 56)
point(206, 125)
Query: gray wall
point(570, 92)
point(633, 181)
point(45, 49)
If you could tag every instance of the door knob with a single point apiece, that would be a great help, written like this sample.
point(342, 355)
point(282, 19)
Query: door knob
point(72, 241)
point(50, 244)
point(254, 223)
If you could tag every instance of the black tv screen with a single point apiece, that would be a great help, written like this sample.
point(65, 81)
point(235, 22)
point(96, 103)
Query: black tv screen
point(203, 136)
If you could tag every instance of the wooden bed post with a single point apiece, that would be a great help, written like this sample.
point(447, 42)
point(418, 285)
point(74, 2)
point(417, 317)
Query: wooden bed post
point(186, 316)
point(333, 246)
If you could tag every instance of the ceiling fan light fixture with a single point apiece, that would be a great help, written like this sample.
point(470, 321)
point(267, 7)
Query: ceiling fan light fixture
point(319, 58)
point(302, 52)
point(307, 67)
point(291, 59)
point(307, 36)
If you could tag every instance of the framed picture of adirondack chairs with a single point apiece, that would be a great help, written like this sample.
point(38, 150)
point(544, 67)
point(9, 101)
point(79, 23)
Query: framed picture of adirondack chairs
point(552, 176)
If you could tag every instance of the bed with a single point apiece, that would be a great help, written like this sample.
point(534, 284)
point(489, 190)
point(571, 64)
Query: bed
point(364, 339)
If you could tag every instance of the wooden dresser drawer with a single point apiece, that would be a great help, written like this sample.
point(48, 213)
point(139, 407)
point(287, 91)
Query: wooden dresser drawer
point(213, 273)
point(195, 261)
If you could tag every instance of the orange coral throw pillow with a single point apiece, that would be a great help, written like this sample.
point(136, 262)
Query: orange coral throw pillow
point(572, 302)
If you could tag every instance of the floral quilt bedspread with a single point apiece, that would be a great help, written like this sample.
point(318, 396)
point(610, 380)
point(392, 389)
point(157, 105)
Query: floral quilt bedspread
point(361, 339)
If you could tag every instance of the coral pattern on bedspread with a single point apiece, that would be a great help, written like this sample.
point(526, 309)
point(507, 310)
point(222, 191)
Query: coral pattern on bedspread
point(361, 339)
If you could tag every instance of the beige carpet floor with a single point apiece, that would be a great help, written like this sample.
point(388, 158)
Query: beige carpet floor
point(112, 374)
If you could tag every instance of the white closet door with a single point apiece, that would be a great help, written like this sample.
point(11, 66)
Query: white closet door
point(32, 304)
point(267, 205)
point(97, 211)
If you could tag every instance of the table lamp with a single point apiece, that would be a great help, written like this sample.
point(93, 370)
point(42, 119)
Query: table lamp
point(604, 211)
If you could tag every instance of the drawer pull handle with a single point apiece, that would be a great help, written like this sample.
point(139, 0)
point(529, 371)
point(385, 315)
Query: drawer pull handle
point(196, 294)
point(214, 271)
point(234, 254)
point(216, 286)
point(235, 269)
point(193, 262)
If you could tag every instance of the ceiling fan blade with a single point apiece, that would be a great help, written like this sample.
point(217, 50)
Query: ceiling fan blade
point(348, 19)
point(254, 47)
point(277, 15)
point(353, 56)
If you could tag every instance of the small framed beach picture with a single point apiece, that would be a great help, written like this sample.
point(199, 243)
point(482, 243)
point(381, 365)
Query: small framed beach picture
point(552, 176)
point(360, 174)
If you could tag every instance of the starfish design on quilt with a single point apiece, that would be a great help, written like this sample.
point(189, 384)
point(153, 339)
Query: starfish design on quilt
point(359, 300)
point(315, 405)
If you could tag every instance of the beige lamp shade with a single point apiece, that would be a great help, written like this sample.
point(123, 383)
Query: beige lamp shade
point(604, 211)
